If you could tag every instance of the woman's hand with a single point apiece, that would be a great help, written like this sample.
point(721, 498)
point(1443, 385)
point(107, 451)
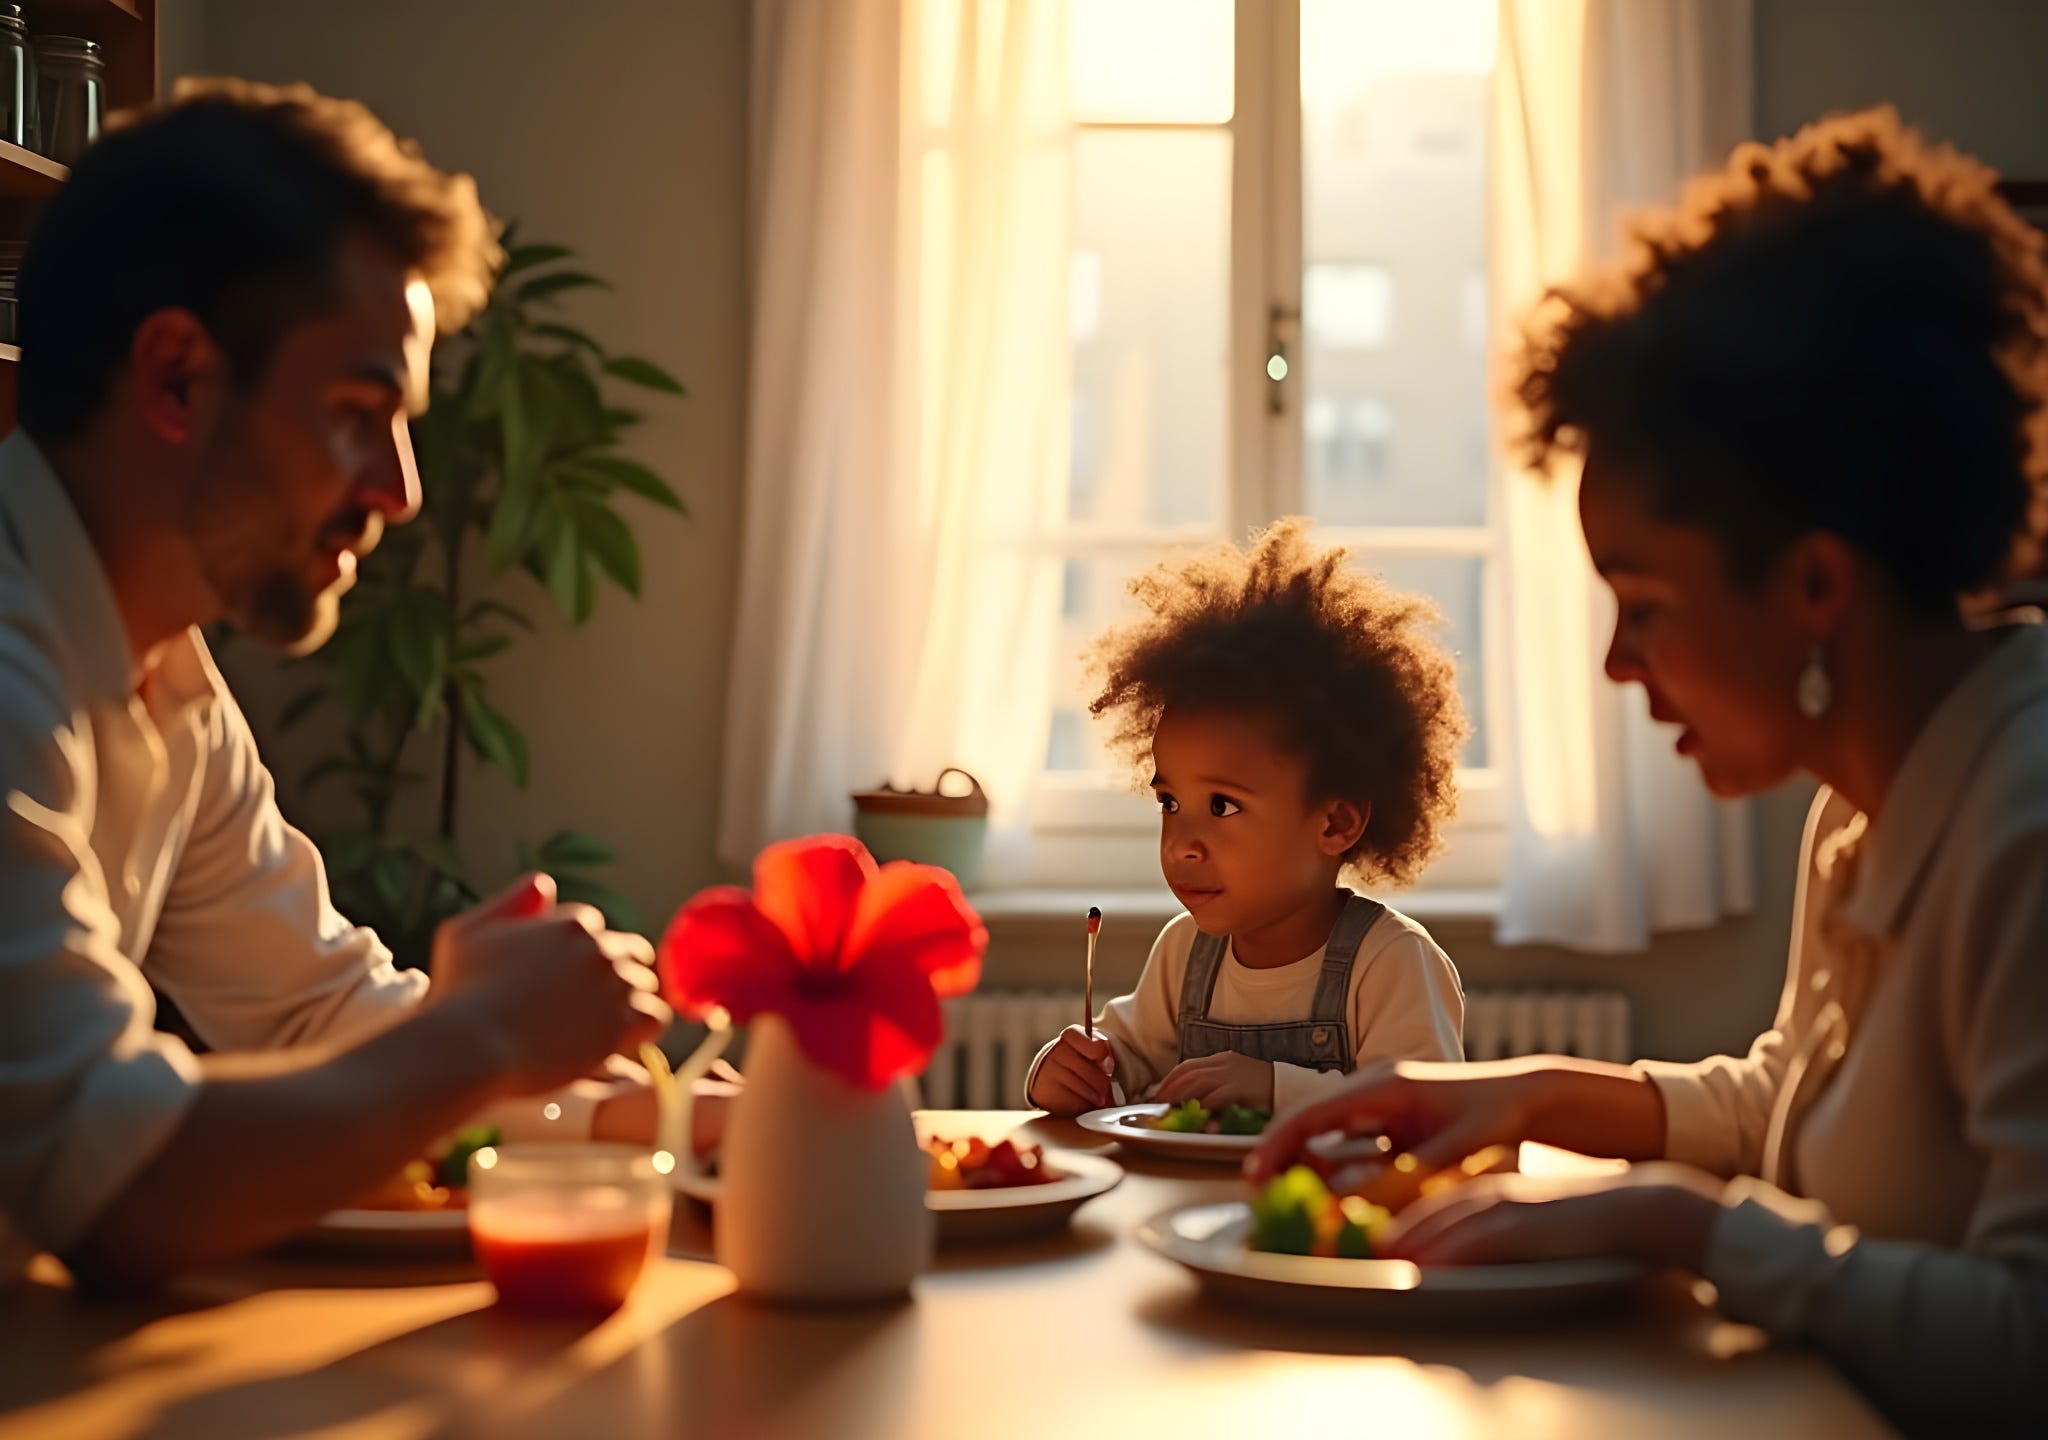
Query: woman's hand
point(1658, 1213)
point(1440, 1111)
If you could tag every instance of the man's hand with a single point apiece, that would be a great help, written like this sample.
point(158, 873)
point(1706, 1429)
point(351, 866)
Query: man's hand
point(546, 985)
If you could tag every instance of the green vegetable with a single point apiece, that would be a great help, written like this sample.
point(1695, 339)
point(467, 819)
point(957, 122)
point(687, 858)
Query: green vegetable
point(1353, 1243)
point(1188, 1117)
point(1284, 1213)
point(1244, 1120)
point(454, 1168)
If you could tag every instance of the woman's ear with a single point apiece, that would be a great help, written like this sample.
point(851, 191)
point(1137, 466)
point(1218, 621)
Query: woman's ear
point(1822, 575)
point(1344, 821)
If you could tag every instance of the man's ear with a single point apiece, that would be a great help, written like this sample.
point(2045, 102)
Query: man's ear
point(175, 371)
point(1344, 821)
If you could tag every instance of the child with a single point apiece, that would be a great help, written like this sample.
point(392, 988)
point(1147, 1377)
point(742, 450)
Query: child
point(1298, 723)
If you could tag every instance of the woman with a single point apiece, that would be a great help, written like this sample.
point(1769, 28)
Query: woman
point(1811, 410)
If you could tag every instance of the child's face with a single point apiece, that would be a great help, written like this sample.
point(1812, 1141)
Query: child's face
point(1240, 842)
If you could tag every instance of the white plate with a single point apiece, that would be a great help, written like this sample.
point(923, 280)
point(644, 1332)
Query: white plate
point(1210, 1241)
point(435, 1232)
point(1120, 1123)
point(1008, 1212)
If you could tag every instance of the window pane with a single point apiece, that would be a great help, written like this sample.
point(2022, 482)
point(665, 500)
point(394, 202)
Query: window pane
point(1152, 60)
point(1092, 598)
point(1148, 315)
point(1456, 583)
point(1393, 238)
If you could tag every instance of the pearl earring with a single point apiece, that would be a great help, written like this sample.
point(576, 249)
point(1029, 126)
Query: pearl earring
point(1816, 690)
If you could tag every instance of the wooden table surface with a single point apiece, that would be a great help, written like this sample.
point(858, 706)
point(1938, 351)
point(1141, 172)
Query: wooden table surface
point(1087, 1333)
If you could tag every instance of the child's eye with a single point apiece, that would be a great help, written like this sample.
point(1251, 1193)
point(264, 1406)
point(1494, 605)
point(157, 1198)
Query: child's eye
point(1222, 806)
point(1168, 805)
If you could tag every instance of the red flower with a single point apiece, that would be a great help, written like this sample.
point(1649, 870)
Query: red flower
point(853, 956)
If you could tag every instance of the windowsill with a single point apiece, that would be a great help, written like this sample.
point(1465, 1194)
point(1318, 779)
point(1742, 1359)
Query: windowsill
point(1442, 912)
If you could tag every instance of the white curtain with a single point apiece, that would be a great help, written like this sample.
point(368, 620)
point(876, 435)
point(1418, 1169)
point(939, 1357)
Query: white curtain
point(1599, 107)
point(907, 410)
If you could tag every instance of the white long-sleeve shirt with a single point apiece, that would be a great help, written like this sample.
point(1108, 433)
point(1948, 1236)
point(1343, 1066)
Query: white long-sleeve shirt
point(140, 833)
point(1404, 1003)
point(1893, 1124)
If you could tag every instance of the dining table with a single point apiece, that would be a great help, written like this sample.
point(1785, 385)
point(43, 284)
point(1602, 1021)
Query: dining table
point(1084, 1332)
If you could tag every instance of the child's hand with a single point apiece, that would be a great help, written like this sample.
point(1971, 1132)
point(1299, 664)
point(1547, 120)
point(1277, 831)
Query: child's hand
point(1075, 1076)
point(1218, 1080)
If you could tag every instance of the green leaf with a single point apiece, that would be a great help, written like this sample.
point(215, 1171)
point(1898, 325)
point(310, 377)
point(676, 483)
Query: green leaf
point(487, 388)
point(525, 257)
point(574, 848)
point(482, 608)
point(527, 423)
point(511, 528)
point(419, 648)
point(631, 475)
point(541, 287)
point(564, 560)
point(471, 651)
point(496, 738)
point(391, 878)
point(569, 335)
point(438, 853)
point(347, 852)
point(297, 708)
point(636, 371)
point(606, 537)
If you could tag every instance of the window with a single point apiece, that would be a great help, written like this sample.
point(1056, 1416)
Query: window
point(1300, 179)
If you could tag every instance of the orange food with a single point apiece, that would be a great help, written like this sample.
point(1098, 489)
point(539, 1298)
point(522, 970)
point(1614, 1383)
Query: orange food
point(413, 1188)
point(977, 1165)
point(1405, 1179)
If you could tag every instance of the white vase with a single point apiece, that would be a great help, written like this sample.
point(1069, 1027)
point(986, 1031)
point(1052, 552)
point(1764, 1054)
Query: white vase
point(822, 1195)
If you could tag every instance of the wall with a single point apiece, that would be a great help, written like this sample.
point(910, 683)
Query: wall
point(619, 129)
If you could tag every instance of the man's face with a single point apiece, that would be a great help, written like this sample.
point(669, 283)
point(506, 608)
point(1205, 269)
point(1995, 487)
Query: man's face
point(304, 467)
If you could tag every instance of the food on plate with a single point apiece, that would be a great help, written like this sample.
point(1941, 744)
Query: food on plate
point(977, 1165)
point(1297, 1215)
point(1405, 1179)
point(439, 1182)
point(1191, 1117)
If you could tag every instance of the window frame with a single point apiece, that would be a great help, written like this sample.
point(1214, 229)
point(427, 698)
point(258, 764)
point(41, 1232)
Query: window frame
point(1087, 826)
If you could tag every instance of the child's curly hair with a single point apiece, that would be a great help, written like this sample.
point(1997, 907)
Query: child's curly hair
point(1344, 661)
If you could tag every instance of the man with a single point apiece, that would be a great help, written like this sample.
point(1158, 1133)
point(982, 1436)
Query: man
point(226, 316)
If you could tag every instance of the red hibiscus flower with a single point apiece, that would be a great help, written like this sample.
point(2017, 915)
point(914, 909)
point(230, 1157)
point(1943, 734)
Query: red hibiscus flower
point(855, 957)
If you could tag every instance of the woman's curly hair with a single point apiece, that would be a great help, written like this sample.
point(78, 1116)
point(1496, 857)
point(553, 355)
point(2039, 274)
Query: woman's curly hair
point(1346, 663)
point(1846, 331)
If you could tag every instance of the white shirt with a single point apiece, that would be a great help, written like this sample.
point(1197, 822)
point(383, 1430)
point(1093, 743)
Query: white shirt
point(1894, 1121)
point(141, 834)
point(1404, 1003)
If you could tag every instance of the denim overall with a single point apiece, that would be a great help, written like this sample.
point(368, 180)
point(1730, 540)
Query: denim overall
point(1321, 1042)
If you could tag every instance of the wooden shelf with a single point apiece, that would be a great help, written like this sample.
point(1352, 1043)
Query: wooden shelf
point(80, 14)
point(25, 175)
point(9, 354)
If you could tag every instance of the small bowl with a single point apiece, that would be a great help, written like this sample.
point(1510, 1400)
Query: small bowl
point(567, 1228)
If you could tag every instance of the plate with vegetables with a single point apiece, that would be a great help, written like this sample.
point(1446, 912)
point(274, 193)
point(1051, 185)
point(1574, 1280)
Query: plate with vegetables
point(981, 1192)
point(1188, 1131)
point(1299, 1248)
point(424, 1208)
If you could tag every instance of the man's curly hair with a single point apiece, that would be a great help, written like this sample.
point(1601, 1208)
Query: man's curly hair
point(1845, 331)
point(1344, 662)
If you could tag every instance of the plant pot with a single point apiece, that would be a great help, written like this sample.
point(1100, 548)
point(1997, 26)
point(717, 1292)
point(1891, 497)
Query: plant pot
point(822, 1196)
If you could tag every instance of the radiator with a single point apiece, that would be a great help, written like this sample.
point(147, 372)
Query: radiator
point(992, 1037)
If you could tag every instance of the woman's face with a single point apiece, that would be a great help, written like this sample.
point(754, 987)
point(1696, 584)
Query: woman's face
point(1718, 660)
